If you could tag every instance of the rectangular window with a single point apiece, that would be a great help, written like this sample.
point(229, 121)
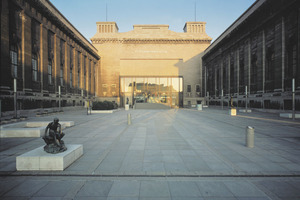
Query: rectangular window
point(197, 88)
point(189, 88)
point(34, 68)
point(14, 63)
point(49, 73)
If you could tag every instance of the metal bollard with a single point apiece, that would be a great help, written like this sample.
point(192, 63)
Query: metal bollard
point(249, 136)
point(128, 118)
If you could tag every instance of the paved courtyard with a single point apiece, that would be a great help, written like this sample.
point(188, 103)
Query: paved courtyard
point(163, 154)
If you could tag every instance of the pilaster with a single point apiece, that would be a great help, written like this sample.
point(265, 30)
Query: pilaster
point(282, 52)
point(263, 60)
point(26, 50)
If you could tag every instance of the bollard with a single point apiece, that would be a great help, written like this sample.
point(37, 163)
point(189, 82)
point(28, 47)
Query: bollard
point(128, 118)
point(249, 136)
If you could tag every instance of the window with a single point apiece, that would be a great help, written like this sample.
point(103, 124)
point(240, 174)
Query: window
point(34, 67)
point(197, 88)
point(189, 88)
point(14, 61)
point(49, 72)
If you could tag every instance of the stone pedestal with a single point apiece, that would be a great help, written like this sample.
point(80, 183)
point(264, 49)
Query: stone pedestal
point(40, 160)
point(126, 107)
point(232, 111)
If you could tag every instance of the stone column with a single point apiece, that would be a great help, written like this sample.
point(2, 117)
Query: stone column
point(228, 72)
point(5, 69)
point(44, 55)
point(249, 66)
point(221, 75)
point(282, 52)
point(238, 70)
point(205, 80)
point(263, 60)
point(26, 50)
point(297, 81)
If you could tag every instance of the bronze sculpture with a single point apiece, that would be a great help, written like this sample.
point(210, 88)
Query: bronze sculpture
point(53, 138)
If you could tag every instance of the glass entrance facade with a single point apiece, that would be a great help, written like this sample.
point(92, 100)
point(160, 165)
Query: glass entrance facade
point(162, 90)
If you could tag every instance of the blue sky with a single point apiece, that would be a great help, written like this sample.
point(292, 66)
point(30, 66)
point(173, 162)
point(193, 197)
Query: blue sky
point(218, 14)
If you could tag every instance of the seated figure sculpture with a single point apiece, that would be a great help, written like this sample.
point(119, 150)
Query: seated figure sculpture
point(53, 138)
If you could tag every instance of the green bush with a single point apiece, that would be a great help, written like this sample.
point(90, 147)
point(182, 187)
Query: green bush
point(105, 105)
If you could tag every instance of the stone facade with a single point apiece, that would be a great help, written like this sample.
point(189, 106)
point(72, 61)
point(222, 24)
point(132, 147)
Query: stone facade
point(150, 51)
point(42, 50)
point(260, 51)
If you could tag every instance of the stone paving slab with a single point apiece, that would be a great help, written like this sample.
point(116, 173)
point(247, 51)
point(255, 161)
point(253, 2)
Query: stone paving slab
point(164, 154)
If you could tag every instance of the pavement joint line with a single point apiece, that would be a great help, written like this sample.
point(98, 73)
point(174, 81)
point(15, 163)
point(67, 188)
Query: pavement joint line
point(103, 156)
point(154, 176)
point(258, 118)
point(233, 166)
point(273, 120)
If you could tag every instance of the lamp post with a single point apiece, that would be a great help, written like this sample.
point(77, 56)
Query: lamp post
point(246, 94)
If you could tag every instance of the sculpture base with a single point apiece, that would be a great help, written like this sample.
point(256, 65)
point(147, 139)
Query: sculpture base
point(54, 149)
point(40, 160)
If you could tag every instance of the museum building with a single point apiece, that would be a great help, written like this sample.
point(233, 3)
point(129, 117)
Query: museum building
point(151, 66)
point(42, 53)
point(257, 56)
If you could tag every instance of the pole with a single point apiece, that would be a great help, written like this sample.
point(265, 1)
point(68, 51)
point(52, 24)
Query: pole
point(59, 96)
point(15, 97)
point(222, 98)
point(293, 93)
point(246, 94)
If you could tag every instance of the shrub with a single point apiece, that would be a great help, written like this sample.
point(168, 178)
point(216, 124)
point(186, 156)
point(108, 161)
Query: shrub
point(105, 105)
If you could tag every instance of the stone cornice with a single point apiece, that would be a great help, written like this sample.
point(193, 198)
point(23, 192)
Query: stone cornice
point(149, 41)
point(52, 14)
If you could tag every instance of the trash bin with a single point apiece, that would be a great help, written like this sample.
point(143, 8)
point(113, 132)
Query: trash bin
point(249, 136)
